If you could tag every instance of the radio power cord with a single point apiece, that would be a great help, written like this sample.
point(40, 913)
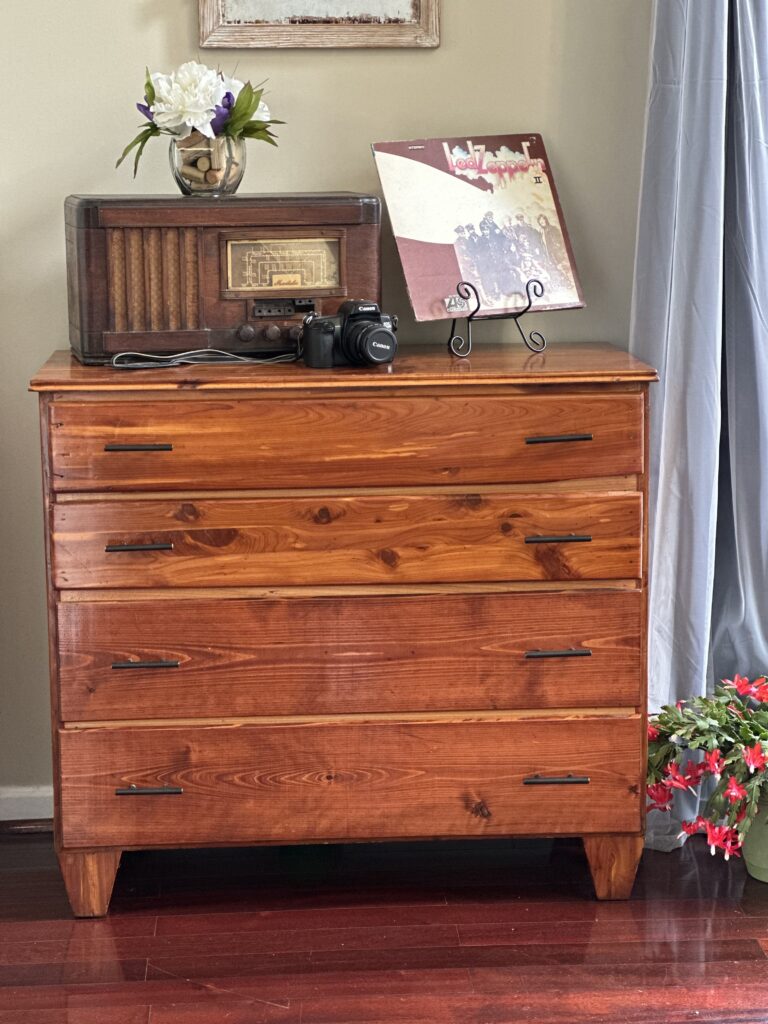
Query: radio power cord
point(202, 356)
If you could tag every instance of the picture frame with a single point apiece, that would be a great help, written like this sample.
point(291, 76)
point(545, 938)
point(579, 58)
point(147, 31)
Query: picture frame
point(316, 23)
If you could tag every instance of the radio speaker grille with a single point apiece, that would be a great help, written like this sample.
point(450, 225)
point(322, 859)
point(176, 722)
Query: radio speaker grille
point(152, 279)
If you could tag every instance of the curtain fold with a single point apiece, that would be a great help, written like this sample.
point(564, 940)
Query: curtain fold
point(700, 314)
point(740, 611)
point(677, 327)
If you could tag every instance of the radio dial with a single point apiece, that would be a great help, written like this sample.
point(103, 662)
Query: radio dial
point(273, 333)
point(246, 332)
point(294, 334)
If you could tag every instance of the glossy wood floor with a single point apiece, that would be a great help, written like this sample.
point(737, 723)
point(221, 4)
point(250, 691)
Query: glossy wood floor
point(430, 933)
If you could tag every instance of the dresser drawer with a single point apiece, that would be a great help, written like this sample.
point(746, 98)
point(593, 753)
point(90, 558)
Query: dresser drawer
point(365, 539)
point(351, 780)
point(322, 442)
point(319, 656)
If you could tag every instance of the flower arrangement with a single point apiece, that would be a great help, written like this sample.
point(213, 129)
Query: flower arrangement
point(731, 730)
point(196, 106)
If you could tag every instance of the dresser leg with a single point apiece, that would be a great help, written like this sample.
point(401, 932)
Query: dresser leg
point(89, 876)
point(613, 862)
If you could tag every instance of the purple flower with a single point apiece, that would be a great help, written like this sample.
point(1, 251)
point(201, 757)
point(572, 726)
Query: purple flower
point(222, 113)
point(143, 108)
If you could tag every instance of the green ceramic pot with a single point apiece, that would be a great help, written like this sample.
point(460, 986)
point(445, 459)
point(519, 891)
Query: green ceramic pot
point(755, 848)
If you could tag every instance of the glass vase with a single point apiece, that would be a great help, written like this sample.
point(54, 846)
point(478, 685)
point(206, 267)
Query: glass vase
point(207, 167)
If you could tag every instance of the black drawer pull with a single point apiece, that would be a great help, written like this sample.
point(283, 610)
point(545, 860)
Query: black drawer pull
point(134, 790)
point(556, 780)
point(566, 538)
point(572, 652)
point(555, 438)
point(165, 545)
point(138, 447)
point(145, 664)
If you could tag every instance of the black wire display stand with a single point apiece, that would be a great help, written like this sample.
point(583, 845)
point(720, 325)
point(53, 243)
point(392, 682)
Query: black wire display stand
point(461, 346)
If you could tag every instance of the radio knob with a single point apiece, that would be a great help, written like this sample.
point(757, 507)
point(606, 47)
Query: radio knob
point(246, 332)
point(295, 333)
point(273, 333)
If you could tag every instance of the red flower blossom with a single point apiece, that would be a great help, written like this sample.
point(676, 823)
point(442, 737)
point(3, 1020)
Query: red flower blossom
point(742, 685)
point(690, 828)
point(714, 762)
point(761, 692)
point(676, 779)
point(653, 732)
point(660, 795)
point(694, 771)
point(734, 791)
point(679, 704)
point(742, 812)
point(731, 845)
point(716, 836)
point(754, 757)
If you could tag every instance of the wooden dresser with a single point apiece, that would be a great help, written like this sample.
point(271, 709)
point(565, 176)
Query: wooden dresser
point(295, 606)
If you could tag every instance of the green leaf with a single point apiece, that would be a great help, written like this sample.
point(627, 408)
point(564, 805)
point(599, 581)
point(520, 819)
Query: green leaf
point(149, 89)
point(241, 111)
point(258, 130)
point(139, 151)
point(242, 116)
point(141, 140)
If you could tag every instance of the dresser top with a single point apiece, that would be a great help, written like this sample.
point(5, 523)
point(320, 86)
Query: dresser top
point(417, 366)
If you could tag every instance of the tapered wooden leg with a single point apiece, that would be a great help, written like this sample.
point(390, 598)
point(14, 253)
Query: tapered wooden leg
point(613, 862)
point(89, 876)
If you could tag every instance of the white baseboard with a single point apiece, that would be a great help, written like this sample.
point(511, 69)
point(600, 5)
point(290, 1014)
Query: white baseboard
point(18, 803)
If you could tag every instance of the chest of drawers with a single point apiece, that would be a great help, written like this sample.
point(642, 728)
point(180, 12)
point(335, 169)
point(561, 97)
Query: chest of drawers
point(289, 605)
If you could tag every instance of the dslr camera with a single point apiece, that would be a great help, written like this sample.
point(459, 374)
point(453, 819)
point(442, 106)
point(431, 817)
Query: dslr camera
point(359, 335)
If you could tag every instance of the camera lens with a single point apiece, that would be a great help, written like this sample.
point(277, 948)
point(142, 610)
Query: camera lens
point(368, 342)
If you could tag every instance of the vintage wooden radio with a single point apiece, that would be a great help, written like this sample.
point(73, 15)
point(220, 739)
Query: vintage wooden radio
point(165, 274)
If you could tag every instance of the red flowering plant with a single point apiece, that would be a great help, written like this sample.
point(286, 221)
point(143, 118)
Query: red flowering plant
point(730, 729)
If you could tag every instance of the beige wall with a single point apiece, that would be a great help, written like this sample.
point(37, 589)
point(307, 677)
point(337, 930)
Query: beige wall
point(574, 70)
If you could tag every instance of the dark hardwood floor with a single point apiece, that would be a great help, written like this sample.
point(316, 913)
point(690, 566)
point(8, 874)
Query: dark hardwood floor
point(471, 933)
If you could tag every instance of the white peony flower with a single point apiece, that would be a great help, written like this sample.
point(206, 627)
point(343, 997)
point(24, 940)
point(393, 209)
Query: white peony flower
point(233, 85)
point(187, 99)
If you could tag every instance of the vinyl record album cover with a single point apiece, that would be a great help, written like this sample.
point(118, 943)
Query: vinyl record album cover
point(482, 210)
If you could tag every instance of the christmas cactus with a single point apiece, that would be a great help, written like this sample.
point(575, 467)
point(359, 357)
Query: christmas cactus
point(730, 730)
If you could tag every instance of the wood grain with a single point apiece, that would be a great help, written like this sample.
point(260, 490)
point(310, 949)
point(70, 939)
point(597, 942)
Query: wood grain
point(145, 273)
point(410, 539)
point(366, 781)
point(339, 442)
point(613, 862)
point(423, 31)
point(89, 876)
point(347, 655)
point(428, 932)
point(348, 593)
point(416, 366)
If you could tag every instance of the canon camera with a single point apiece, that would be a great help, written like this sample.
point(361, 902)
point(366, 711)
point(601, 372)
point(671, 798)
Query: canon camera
point(359, 335)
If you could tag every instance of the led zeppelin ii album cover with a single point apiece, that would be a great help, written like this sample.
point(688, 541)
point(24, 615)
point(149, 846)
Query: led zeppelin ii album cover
point(482, 210)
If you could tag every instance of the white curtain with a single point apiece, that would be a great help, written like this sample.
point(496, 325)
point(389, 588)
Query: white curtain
point(677, 327)
point(740, 617)
point(700, 315)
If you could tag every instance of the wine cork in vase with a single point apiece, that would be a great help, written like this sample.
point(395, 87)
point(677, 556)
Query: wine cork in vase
point(192, 173)
point(217, 154)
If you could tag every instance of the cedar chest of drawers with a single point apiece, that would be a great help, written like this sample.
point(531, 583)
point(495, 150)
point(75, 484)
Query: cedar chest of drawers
point(289, 605)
